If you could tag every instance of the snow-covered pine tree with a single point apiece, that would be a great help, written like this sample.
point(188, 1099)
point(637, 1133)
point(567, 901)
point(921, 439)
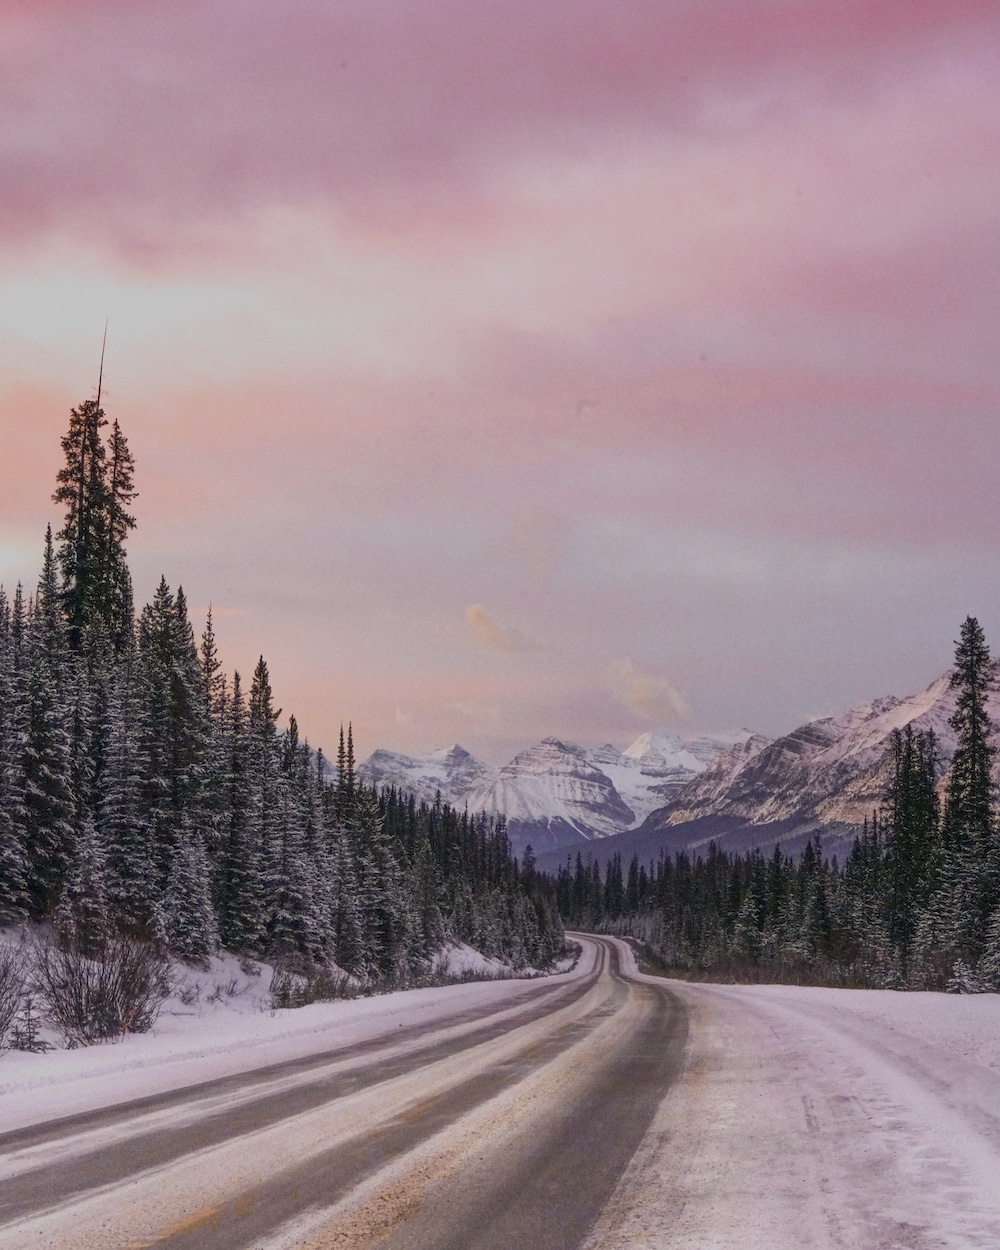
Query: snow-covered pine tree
point(968, 818)
point(13, 861)
point(46, 752)
point(96, 489)
point(134, 889)
point(82, 917)
point(240, 883)
point(174, 719)
point(264, 784)
point(966, 893)
point(82, 490)
point(212, 800)
point(191, 926)
point(912, 834)
point(117, 611)
point(346, 922)
point(292, 924)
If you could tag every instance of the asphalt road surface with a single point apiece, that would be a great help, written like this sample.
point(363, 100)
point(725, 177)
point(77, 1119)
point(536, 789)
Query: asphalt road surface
point(596, 1110)
point(498, 1126)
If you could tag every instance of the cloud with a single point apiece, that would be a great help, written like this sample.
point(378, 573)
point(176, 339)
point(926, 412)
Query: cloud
point(498, 638)
point(652, 698)
point(138, 122)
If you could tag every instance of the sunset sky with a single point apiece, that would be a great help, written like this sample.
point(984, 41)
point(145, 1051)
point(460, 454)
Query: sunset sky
point(527, 367)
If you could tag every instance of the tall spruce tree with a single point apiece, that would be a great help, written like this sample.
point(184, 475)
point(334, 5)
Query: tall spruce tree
point(912, 834)
point(46, 755)
point(96, 488)
point(966, 894)
point(115, 609)
point(13, 860)
point(83, 539)
point(968, 810)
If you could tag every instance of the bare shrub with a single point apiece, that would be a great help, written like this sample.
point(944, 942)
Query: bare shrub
point(189, 994)
point(13, 986)
point(291, 988)
point(232, 988)
point(99, 997)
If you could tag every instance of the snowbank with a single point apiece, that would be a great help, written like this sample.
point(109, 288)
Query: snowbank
point(218, 1022)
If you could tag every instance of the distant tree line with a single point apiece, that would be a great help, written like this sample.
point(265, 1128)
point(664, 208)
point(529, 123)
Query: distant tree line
point(142, 792)
point(916, 904)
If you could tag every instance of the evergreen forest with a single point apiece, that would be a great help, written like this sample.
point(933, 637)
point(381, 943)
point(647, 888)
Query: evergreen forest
point(915, 905)
point(144, 793)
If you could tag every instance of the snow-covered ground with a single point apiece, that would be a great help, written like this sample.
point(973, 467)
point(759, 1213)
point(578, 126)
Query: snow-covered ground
point(801, 1119)
point(219, 1021)
point(813, 1117)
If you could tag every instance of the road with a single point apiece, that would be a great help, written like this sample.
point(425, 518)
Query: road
point(507, 1124)
point(599, 1110)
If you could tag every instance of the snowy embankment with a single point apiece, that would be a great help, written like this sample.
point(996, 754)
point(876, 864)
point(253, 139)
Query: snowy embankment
point(811, 1117)
point(220, 1021)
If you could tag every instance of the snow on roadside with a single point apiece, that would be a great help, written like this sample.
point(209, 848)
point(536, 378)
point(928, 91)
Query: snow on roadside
point(458, 959)
point(810, 1117)
point(965, 1025)
point(956, 1025)
point(218, 1022)
point(461, 961)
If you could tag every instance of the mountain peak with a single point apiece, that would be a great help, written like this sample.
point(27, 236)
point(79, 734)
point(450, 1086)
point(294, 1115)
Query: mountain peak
point(554, 792)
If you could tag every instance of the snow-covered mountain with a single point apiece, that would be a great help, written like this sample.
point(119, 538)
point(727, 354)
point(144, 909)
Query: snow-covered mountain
point(738, 789)
point(552, 794)
point(452, 772)
point(831, 771)
point(557, 793)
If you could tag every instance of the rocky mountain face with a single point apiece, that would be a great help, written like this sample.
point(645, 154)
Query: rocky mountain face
point(740, 790)
point(557, 793)
point(833, 769)
point(827, 775)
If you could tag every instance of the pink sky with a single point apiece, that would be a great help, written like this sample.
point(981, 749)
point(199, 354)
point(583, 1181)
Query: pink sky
point(501, 370)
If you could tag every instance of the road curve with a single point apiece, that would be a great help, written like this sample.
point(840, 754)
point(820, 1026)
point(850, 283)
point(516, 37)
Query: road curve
point(492, 1127)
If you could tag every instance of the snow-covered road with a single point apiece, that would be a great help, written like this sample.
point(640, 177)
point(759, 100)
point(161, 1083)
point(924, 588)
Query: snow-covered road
point(821, 1118)
point(599, 1109)
point(475, 1116)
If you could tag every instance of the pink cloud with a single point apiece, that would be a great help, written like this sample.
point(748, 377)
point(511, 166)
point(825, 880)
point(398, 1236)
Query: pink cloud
point(132, 124)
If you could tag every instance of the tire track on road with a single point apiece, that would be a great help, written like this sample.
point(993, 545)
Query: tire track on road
point(383, 1058)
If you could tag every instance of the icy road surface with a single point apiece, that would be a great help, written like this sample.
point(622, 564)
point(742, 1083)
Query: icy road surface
point(598, 1109)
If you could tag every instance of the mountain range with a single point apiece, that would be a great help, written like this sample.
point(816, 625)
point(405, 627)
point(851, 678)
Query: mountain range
point(665, 792)
point(558, 793)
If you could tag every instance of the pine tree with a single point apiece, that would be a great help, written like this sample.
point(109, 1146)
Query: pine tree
point(241, 886)
point(967, 893)
point(134, 888)
point(347, 924)
point(968, 810)
point(191, 927)
point(911, 850)
point(96, 490)
point(46, 753)
point(175, 720)
point(81, 917)
point(13, 860)
point(83, 492)
point(116, 610)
